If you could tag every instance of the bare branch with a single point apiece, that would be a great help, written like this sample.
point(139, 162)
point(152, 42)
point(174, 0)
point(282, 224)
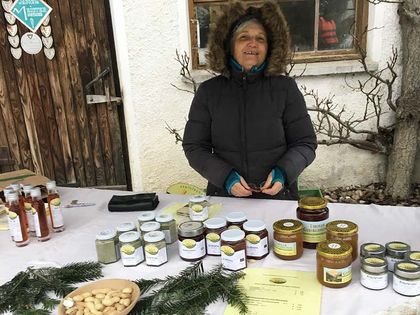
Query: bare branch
point(174, 132)
point(385, 1)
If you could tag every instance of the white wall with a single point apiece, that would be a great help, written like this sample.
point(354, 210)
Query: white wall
point(148, 33)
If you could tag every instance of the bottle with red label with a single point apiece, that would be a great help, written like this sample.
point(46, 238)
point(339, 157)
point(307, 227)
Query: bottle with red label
point(54, 204)
point(16, 222)
point(28, 208)
point(40, 215)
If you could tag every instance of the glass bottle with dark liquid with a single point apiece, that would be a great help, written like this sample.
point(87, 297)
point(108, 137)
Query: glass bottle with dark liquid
point(16, 223)
point(28, 208)
point(40, 215)
point(54, 204)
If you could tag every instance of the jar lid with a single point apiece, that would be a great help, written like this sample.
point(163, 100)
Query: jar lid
point(125, 227)
point(155, 236)
point(27, 188)
point(334, 249)
point(129, 237)
point(106, 235)
point(375, 264)
point(232, 235)
point(372, 249)
point(15, 186)
point(198, 198)
point(254, 225)
point(312, 203)
point(51, 184)
point(191, 228)
point(235, 217)
point(36, 192)
point(342, 228)
point(13, 196)
point(146, 216)
point(397, 249)
point(150, 226)
point(407, 269)
point(413, 256)
point(215, 223)
point(287, 226)
point(164, 217)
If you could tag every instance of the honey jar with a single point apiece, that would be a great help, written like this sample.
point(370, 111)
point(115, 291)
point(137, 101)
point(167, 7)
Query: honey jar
point(288, 239)
point(344, 231)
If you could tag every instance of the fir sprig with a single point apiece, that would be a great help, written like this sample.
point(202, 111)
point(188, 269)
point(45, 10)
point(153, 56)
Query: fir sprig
point(28, 293)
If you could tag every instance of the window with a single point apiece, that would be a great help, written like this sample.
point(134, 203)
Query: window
point(321, 30)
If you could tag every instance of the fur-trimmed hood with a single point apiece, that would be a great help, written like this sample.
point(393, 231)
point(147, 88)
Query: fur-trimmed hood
point(277, 30)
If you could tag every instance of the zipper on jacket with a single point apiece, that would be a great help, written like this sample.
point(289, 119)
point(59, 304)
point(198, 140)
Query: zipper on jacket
point(244, 155)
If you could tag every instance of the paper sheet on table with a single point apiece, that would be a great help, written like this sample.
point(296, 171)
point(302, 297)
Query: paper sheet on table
point(278, 291)
point(180, 211)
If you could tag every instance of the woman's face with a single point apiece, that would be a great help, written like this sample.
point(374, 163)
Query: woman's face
point(250, 46)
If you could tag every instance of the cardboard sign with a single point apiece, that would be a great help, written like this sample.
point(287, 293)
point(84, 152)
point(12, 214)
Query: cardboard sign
point(23, 177)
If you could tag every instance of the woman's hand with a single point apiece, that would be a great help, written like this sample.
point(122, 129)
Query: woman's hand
point(269, 188)
point(241, 189)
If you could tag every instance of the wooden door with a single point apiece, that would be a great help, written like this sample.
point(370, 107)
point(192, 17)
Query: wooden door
point(45, 120)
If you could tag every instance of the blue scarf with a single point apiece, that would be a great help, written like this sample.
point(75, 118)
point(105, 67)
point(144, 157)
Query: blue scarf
point(235, 65)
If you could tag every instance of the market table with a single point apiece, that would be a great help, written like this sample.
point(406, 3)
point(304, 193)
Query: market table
point(379, 224)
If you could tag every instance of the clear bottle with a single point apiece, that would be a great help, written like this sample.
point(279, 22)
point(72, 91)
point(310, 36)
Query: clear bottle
point(16, 224)
point(28, 208)
point(54, 204)
point(40, 215)
point(198, 208)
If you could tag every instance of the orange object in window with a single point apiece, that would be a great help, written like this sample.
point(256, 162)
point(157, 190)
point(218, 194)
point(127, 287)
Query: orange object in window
point(327, 31)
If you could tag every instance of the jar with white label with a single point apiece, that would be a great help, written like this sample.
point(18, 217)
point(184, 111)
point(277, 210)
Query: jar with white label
point(155, 248)
point(106, 247)
point(235, 220)
point(395, 252)
point(145, 216)
point(131, 248)
point(374, 273)
point(126, 227)
point(256, 239)
point(233, 250)
point(168, 226)
point(198, 208)
point(214, 228)
point(406, 279)
point(149, 227)
point(191, 241)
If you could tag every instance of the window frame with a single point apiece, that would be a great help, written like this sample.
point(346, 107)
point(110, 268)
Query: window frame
point(362, 7)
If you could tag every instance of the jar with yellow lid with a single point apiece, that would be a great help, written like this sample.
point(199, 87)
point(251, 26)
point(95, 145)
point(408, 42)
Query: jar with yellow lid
point(406, 279)
point(288, 239)
point(374, 273)
point(334, 263)
point(372, 250)
point(413, 256)
point(395, 252)
point(346, 231)
point(313, 213)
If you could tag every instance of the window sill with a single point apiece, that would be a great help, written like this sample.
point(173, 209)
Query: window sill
point(312, 69)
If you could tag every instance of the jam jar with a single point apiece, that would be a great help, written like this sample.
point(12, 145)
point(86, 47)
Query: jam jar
point(106, 247)
point(334, 263)
point(288, 239)
point(235, 220)
point(395, 252)
point(374, 273)
point(313, 213)
point(191, 242)
point(256, 237)
point(155, 248)
point(131, 248)
point(372, 250)
point(406, 279)
point(214, 228)
point(198, 208)
point(233, 250)
point(344, 231)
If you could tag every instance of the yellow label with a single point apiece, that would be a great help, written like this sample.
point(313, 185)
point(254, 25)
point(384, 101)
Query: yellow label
point(253, 239)
point(12, 215)
point(197, 208)
point(151, 249)
point(213, 237)
point(227, 250)
point(337, 276)
point(285, 249)
point(188, 243)
point(56, 202)
point(28, 206)
point(128, 249)
point(397, 246)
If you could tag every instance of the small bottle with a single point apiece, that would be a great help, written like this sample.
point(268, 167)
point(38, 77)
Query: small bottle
point(16, 224)
point(372, 250)
point(6, 192)
point(214, 228)
point(191, 242)
point(168, 226)
point(149, 227)
point(233, 250)
point(198, 208)
point(155, 248)
point(145, 216)
point(54, 204)
point(256, 239)
point(28, 209)
point(106, 247)
point(406, 279)
point(374, 273)
point(17, 188)
point(346, 231)
point(235, 220)
point(39, 215)
point(395, 252)
point(288, 239)
point(131, 249)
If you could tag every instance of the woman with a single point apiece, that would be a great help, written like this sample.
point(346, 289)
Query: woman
point(248, 131)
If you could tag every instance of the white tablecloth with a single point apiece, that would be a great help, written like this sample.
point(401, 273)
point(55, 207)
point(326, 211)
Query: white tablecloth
point(77, 243)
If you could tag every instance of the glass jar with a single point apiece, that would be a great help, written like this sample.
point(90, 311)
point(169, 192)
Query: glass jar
point(372, 250)
point(235, 220)
point(131, 248)
point(288, 239)
point(168, 226)
point(346, 231)
point(374, 273)
point(155, 248)
point(233, 250)
point(395, 252)
point(147, 227)
point(334, 263)
point(406, 279)
point(145, 216)
point(313, 213)
point(106, 247)
point(126, 227)
point(256, 239)
point(191, 242)
point(413, 257)
point(198, 208)
point(214, 228)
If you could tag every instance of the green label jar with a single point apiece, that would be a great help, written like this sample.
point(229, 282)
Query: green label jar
point(155, 248)
point(198, 208)
point(214, 227)
point(106, 247)
point(131, 249)
point(168, 226)
point(191, 242)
